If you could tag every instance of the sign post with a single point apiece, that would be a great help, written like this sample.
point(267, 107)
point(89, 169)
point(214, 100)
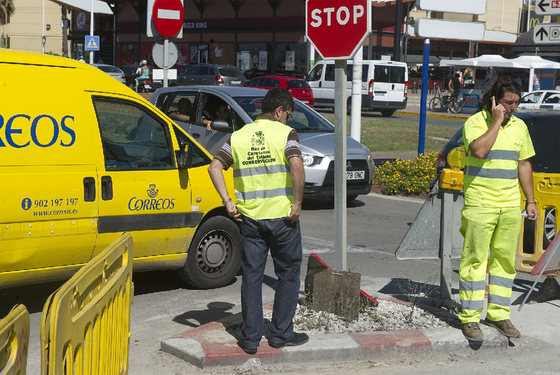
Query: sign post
point(337, 29)
point(167, 16)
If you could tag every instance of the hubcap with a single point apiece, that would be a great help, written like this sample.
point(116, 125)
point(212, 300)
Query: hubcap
point(213, 252)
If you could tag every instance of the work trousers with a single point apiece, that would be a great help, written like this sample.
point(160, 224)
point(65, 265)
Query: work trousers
point(284, 241)
point(487, 228)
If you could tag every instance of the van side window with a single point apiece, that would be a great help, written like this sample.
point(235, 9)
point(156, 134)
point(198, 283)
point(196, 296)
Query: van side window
point(329, 72)
point(132, 138)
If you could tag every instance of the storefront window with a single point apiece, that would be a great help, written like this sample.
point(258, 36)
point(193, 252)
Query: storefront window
point(290, 58)
point(253, 59)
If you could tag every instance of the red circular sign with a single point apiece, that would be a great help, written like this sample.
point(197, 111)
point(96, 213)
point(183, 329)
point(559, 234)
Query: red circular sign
point(167, 16)
point(337, 28)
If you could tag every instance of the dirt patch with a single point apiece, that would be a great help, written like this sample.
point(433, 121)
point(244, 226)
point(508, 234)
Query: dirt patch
point(378, 189)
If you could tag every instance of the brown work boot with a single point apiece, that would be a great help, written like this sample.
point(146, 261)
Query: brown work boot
point(472, 331)
point(505, 327)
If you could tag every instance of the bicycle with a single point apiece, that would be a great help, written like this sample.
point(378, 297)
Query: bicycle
point(444, 103)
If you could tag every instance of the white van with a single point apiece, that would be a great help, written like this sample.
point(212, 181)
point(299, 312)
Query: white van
point(384, 84)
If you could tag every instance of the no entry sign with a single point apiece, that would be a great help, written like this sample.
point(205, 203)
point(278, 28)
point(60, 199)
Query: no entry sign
point(167, 16)
point(337, 28)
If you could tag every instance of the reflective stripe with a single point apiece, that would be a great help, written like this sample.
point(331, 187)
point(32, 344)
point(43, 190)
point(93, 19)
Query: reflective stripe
point(472, 305)
point(261, 194)
point(500, 281)
point(471, 286)
point(498, 300)
point(491, 173)
point(255, 171)
point(502, 155)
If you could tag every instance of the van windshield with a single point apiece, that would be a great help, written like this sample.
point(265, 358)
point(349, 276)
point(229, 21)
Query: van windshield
point(304, 119)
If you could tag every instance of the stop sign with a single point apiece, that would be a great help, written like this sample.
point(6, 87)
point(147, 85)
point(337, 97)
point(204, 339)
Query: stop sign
point(167, 16)
point(337, 28)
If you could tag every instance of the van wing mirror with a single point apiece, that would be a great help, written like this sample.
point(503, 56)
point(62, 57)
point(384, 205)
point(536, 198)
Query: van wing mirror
point(184, 156)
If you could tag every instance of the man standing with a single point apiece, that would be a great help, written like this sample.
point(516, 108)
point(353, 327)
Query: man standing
point(498, 146)
point(268, 177)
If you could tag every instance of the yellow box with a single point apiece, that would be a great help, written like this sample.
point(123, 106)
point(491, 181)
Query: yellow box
point(451, 179)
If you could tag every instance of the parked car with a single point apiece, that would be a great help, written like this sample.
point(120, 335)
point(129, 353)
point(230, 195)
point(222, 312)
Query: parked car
point(244, 104)
point(542, 99)
point(212, 74)
point(545, 134)
point(113, 71)
point(298, 87)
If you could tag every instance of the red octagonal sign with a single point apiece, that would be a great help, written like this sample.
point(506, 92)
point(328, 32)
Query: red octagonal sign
point(167, 16)
point(337, 28)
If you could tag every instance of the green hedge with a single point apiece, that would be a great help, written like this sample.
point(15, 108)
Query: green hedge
point(408, 177)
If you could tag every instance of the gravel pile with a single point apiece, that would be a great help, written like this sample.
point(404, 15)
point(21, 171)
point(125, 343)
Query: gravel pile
point(387, 316)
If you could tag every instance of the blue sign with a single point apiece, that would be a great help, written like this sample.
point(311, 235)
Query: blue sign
point(92, 43)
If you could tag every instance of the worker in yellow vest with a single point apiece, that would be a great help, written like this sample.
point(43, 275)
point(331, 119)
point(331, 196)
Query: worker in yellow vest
point(498, 146)
point(268, 177)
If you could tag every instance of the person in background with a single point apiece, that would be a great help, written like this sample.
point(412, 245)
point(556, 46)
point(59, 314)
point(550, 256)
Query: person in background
point(183, 112)
point(498, 148)
point(222, 112)
point(142, 73)
point(268, 180)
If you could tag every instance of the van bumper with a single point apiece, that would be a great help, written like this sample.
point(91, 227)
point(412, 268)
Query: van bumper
point(369, 102)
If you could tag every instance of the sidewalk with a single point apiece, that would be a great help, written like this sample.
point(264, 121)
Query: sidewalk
point(210, 344)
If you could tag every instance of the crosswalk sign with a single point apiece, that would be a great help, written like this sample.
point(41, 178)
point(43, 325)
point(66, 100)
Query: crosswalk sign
point(92, 43)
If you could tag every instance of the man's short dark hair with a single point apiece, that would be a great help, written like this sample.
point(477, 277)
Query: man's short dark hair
point(277, 97)
point(499, 89)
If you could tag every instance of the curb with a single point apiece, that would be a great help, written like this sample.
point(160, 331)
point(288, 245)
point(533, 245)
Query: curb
point(210, 345)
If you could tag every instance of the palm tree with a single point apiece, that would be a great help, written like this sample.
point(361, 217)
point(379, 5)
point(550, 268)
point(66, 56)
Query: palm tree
point(7, 8)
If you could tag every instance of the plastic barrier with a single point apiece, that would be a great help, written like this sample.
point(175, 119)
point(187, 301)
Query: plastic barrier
point(536, 236)
point(14, 341)
point(85, 325)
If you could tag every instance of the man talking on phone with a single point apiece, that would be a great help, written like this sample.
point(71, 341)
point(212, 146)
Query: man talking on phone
point(498, 148)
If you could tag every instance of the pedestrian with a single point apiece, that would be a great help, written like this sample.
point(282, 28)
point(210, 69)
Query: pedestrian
point(498, 148)
point(268, 180)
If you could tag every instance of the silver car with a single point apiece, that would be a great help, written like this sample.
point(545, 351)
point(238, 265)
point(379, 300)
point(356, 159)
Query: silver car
point(113, 71)
point(243, 105)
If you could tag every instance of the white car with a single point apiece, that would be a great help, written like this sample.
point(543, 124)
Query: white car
point(113, 71)
point(542, 99)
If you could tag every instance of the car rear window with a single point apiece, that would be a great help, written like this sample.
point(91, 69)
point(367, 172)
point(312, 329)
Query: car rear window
point(109, 69)
point(545, 134)
point(229, 72)
point(389, 73)
point(297, 84)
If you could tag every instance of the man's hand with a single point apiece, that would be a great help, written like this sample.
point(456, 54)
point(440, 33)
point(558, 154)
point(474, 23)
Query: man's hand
point(295, 213)
point(532, 211)
point(231, 209)
point(498, 111)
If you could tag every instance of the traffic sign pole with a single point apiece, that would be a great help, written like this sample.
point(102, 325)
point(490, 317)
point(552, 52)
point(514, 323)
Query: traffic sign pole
point(340, 188)
point(165, 60)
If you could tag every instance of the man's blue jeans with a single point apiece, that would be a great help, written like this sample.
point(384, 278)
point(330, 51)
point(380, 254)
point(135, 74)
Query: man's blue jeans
point(284, 241)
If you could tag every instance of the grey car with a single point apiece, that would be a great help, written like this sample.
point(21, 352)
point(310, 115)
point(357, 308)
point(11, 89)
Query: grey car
point(211, 74)
point(244, 105)
point(113, 71)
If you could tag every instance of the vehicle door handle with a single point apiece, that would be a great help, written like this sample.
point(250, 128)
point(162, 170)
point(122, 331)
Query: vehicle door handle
point(89, 189)
point(106, 188)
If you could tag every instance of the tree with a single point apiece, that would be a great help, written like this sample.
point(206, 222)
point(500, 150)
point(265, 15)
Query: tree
point(7, 8)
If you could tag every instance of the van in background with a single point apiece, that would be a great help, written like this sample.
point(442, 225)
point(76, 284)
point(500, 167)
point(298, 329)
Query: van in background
point(384, 85)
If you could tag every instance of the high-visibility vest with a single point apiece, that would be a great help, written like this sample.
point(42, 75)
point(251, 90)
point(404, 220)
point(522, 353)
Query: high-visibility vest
point(261, 172)
point(492, 181)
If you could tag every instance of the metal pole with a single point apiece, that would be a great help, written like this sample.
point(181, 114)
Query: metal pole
point(423, 98)
point(43, 38)
point(91, 31)
point(528, 15)
point(445, 244)
point(340, 164)
point(165, 60)
point(356, 110)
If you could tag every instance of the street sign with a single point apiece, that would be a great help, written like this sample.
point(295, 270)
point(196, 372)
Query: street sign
point(337, 28)
point(546, 33)
point(468, 7)
point(547, 7)
point(167, 16)
point(92, 43)
point(443, 29)
point(158, 54)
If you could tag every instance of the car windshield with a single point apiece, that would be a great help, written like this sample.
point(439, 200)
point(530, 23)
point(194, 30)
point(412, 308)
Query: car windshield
point(303, 119)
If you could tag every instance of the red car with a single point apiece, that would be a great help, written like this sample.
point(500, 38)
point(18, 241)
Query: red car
point(298, 87)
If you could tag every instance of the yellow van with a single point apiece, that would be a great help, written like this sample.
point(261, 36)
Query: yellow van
point(84, 159)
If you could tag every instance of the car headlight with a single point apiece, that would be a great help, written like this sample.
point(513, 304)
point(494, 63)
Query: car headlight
point(310, 160)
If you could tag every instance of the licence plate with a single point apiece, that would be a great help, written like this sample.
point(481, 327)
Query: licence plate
point(355, 175)
point(235, 82)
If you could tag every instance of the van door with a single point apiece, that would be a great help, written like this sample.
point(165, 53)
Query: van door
point(142, 190)
point(321, 81)
point(389, 83)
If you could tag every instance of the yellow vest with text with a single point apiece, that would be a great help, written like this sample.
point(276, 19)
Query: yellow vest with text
point(261, 172)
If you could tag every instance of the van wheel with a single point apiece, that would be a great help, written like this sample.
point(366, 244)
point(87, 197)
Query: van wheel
point(387, 112)
point(214, 256)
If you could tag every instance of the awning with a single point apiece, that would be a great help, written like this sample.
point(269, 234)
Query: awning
point(99, 7)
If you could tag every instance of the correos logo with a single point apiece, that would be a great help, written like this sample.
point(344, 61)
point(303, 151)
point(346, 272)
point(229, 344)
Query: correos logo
point(151, 203)
point(22, 130)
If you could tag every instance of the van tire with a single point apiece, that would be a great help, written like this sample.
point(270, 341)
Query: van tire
point(214, 256)
point(387, 112)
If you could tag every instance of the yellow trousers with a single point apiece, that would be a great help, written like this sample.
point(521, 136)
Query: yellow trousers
point(497, 230)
